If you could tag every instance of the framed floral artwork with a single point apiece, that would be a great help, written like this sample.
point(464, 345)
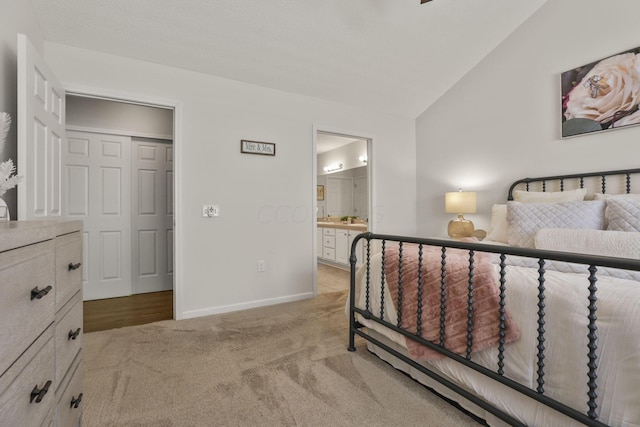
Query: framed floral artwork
point(601, 95)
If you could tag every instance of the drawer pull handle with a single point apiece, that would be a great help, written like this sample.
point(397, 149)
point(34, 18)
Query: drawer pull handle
point(37, 294)
point(73, 266)
point(74, 334)
point(38, 395)
point(76, 402)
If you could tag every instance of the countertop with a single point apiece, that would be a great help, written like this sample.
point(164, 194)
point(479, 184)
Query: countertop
point(339, 225)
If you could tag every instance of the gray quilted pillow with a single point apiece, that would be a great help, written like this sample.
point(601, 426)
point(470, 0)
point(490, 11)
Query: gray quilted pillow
point(525, 219)
point(623, 214)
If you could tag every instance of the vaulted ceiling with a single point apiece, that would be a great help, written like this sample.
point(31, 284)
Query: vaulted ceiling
point(396, 56)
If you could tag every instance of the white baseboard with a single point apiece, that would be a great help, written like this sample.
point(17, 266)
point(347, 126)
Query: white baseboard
point(244, 306)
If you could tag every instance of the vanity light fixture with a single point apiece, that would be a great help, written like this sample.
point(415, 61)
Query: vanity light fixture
point(363, 159)
point(460, 202)
point(333, 167)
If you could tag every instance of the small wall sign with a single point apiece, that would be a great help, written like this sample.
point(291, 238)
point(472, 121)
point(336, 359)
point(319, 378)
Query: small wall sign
point(257, 147)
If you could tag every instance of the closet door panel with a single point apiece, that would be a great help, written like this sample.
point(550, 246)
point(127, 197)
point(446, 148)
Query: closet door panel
point(97, 178)
point(152, 219)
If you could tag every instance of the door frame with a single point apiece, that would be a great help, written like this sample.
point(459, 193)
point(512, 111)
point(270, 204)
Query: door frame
point(314, 171)
point(176, 106)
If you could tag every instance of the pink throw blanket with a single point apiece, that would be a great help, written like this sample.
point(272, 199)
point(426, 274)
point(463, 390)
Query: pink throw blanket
point(486, 299)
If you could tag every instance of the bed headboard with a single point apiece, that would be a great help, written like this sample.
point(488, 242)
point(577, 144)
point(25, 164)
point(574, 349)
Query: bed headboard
point(622, 178)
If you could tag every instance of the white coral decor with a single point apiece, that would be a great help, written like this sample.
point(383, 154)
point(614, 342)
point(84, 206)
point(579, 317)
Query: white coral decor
point(7, 181)
point(7, 170)
point(5, 124)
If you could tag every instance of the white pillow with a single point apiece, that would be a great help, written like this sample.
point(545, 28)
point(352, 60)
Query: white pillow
point(524, 196)
point(623, 214)
point(525, 219)
point(592, 242)
point(600, 196)
point(498, 228)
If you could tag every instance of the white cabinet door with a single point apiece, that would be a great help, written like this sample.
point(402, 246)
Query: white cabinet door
point(359, 248)
point(319, 242)
point(342, 246)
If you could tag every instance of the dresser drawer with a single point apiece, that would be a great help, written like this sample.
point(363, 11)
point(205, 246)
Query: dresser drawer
point(68, 267)
point(70, 396)
point(329, 231)
point(50, 419)
point(329, 253)
point(19, 405)
point(23, 273)
point(68, 335)
point(329, 242)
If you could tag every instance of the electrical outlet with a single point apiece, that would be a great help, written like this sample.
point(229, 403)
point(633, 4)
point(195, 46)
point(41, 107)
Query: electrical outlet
point(262, 265)
point(210, 211)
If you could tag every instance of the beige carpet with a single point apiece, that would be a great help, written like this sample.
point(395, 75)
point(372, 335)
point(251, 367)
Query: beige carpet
point(284, 365)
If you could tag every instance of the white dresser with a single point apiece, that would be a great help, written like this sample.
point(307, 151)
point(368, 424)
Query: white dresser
point(40, 323)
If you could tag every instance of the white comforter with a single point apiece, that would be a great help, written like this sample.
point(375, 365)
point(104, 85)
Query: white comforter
point(618, 318)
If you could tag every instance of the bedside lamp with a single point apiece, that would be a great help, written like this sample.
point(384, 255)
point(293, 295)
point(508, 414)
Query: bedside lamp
point(460, 202)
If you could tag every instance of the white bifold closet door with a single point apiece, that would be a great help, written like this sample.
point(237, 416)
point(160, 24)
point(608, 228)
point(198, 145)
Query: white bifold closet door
point(118, 187)
point(152, 222)
point(97, 176)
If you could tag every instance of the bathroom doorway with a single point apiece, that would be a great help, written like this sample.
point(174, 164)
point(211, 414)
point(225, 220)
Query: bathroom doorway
point(342, 197)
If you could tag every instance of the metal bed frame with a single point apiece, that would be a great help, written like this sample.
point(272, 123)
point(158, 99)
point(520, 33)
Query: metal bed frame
point(589, 418)
point(579, 176)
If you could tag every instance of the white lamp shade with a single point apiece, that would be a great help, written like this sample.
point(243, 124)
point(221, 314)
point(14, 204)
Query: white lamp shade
point(460, 202)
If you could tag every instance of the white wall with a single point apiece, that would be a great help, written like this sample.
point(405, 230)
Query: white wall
point(266, 203)
point(20, 20)
point(502, 121)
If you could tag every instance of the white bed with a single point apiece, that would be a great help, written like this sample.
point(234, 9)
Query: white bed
point(566, 313)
